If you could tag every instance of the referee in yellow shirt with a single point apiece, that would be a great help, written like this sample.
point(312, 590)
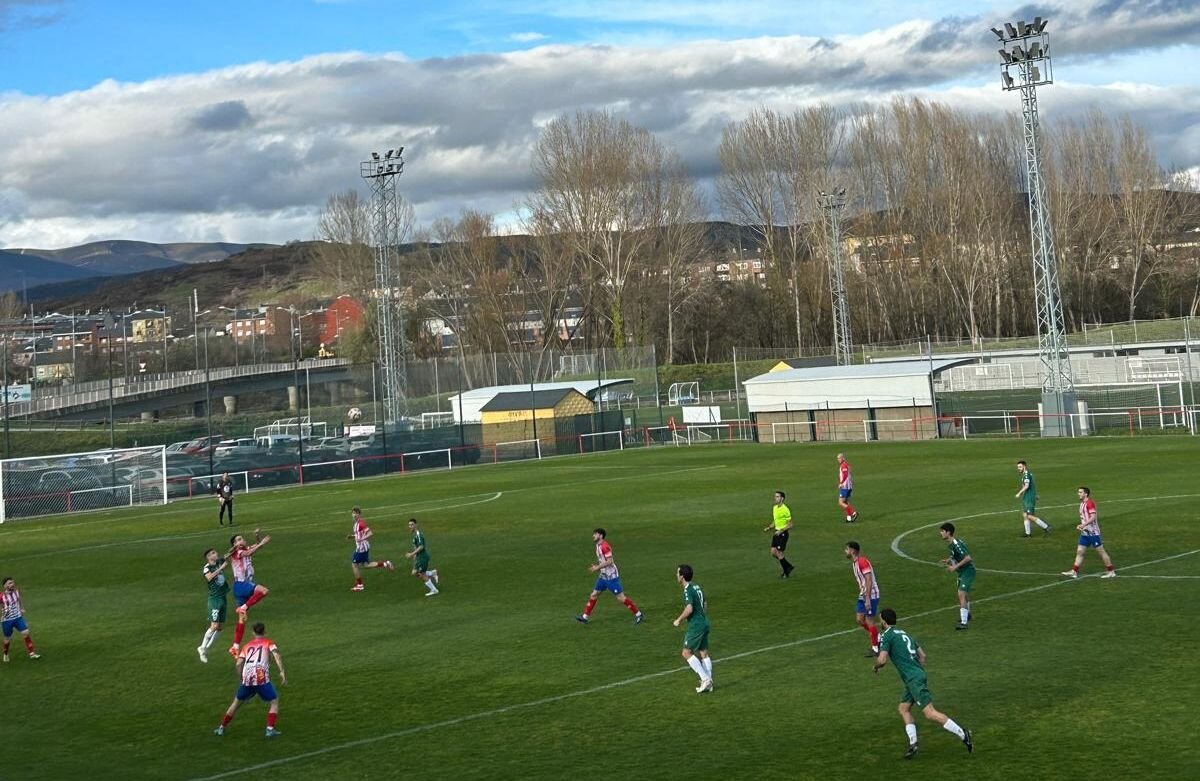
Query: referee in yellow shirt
point(781, 523)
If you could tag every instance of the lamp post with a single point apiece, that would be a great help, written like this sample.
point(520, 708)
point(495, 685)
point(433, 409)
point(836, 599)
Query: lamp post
point(832, 204)
point(109, 324)
point(381, 172)
point(1025, 65)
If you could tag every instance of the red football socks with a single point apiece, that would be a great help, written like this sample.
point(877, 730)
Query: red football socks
point(226, 719)
point(271, 720)
point(254, 598)
point(873, 631)
point(632, 607)
point(591, 604)
point(849, 509)
point(1075, 567)
point(358, 581)
point(238, 632)
point(29, 643)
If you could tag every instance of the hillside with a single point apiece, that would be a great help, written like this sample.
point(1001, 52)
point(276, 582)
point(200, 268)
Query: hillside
point(104, 259)
point(251, 277)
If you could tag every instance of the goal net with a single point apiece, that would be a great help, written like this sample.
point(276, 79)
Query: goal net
point(78, 482)
point(523, 450)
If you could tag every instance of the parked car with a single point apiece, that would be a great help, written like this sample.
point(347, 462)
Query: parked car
point(244, 446)
point(201, 445)
point(178, 448)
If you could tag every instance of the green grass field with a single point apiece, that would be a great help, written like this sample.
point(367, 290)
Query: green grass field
point(492, 679)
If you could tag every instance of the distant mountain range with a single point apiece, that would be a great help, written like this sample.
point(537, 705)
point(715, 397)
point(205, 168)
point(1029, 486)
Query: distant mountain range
point(22, 268)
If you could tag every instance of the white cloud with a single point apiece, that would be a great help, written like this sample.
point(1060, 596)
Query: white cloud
point(250, 153)
point(528, 37)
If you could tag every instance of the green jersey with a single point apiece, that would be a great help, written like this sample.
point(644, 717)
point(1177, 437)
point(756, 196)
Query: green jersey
point(418, 541)
point(218, 587)
point(692, 595)
point(958, 552)
point(1029, 485)
point(902, 651)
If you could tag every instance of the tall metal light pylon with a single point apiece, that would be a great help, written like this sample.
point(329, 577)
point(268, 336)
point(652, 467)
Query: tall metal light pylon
point(1025, 66)
point(381, 172)
point(843, 341)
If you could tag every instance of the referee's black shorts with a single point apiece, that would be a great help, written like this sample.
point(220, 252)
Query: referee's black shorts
point(779, 541)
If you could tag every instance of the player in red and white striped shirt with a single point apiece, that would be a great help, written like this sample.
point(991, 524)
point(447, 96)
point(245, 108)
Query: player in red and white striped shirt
point(845, 488)
point(1089, 535)
point(13, 617)
point(254, 673)
point(361, 534)
point(868, 593)
point(609, 579)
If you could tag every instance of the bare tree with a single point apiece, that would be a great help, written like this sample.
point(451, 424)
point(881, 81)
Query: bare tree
point(346, 255)
point(594, 174)
point(678, 241)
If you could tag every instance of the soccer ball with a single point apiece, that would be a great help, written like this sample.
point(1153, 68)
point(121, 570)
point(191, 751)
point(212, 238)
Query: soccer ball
point(354, 415)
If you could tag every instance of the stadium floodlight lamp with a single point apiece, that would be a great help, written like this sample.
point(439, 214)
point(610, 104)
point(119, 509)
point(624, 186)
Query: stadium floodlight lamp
point(1018, 53)
point(374, 155)
point(1012, 31)
point(1034, 74)
point(999, 33)
point(399, 151)
point(1040, 24)
point(1008, 80)
point(1005, 56)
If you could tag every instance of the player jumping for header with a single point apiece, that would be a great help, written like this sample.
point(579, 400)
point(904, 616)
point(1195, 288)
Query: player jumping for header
point(845, 488)
point(609, 579)
point(1089, 536)
point(1028, 497)
point(246, 593)
point(361, 534)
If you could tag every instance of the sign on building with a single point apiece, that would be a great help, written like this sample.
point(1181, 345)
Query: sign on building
point(18, 393)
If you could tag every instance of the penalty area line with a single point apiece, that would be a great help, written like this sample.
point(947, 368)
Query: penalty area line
point(520, 706)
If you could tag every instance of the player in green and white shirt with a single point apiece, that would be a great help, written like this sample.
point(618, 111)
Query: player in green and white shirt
point(420, 556)
point(218, 590)
point(695, 642)
point(1028, 497)
point(907, 656)
point(963, 566)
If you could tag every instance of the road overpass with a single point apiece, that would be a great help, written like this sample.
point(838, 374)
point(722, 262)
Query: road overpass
point(146, 394)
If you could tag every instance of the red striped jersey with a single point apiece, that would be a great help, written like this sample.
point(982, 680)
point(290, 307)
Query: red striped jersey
point(604, 551)
point(243, 567)
point(11, 602)
point(256, 669)
point(861, 567)
point(1088, 517)
point(362, 533)
point(844, 479)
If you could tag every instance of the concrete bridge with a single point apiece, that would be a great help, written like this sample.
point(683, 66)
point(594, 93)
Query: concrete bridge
point(146, 394)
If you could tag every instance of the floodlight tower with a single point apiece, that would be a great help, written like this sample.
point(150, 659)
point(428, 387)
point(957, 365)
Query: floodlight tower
point(832, 203)
point(381, 172)
point(1025, 66)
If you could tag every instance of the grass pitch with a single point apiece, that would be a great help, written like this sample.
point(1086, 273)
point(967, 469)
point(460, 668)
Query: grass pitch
point(492, 679)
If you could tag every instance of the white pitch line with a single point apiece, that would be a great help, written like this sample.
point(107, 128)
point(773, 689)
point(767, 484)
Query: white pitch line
point(410, 508)
point(172, 538)
point(897, 550)
point(487, 714)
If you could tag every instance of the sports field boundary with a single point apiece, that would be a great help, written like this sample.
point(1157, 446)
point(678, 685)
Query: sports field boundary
point(520, 706)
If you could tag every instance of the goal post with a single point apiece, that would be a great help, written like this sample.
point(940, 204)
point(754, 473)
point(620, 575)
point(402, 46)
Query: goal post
point(519, 450)
point(599, 441)
point(77, 482)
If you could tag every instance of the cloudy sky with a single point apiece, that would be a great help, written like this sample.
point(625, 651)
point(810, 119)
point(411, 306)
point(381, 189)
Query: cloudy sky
point(235, 119)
